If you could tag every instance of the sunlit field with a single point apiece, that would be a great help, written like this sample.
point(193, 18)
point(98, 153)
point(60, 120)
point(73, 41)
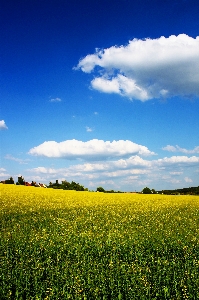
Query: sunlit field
point(59, 244)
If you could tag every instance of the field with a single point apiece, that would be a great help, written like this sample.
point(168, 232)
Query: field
point(59, 244)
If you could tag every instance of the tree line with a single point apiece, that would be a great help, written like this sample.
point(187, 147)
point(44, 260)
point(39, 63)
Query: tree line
point(65, 185)
point(183, 191)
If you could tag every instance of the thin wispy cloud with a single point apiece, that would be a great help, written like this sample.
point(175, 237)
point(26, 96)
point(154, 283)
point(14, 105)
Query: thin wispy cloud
point(175, 173)
point(147, 69)
point(3, 125)
point(89, 129)
point(3, 173)
point(19, 160)
point(55, 99)
point(179, 149)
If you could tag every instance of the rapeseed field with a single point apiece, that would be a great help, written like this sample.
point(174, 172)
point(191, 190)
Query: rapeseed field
point(59, 244)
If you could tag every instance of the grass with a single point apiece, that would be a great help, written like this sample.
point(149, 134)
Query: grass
point(59, 244)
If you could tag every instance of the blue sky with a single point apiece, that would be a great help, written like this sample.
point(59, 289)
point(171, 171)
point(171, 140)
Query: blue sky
point(105, 93)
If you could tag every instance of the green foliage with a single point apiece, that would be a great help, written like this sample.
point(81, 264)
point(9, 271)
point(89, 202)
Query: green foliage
point(20, 181)
point(146, 190)
point(197, 190)
point(183, 191)
point(65, 185)
point(9, 181)
point(100, 189)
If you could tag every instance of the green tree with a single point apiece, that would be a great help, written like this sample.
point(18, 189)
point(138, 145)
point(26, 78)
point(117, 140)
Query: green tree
point(21, 180)
point(197, 191)
point(100, 189)
point(76, 186)
point(10, 181)
point(146, 190)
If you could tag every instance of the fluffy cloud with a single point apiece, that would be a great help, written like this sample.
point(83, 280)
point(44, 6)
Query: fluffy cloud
point(120, 85)
point(3, 125)
point(177, 160)
point(179, 149)
point(165, 172)
point(146, 69)
point(93, 149)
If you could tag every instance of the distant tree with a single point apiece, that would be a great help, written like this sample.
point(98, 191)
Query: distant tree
point(21, 181)
point(153, 191)
point(10, 181)
point(146, 190)
point(197, 191)
point(65, 185)
point(100, 189)
point(111, 191)
point(55, 185)
point(76, 186)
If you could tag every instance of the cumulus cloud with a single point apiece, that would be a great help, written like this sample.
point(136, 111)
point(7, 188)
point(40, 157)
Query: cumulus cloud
point(146, 69)
point(177, 160)
point(94, 149)
point(3, 125)
point(133, 170)
point(179, 149)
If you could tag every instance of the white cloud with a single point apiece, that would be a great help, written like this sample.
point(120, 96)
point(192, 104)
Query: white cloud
point(134, 171)
point(43, 170)
point(93, 149)
point(120, 85)
point(146, 69)
point(3, 174)
point(179, 149)
point(3, 125)
point(19, 160)
point(176, 173)
point(177, 160)
point(187, 179)
point(89, 129)
point(55, 99)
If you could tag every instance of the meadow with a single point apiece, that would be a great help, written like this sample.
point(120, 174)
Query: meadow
point(59, 244)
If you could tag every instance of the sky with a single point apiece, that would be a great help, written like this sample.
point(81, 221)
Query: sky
point(104, 93)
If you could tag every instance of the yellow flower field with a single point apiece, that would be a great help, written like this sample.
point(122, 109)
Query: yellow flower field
point(58, 244)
